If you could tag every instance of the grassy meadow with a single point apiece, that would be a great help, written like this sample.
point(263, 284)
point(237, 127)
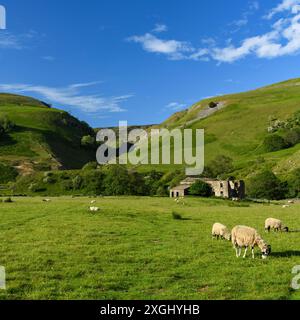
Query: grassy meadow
point(134, 249)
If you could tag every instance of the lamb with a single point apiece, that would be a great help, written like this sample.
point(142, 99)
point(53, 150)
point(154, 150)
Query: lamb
point(46, 200)
point(275, 224)
point(242, 236)
point(285, 206)
point(93, 201)
point(220, 231)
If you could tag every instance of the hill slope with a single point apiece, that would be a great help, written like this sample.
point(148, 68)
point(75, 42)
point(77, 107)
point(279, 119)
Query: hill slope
point(44, 137)
point(239, 125)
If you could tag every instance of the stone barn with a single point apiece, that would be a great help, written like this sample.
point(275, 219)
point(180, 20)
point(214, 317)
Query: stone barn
point(221, 188)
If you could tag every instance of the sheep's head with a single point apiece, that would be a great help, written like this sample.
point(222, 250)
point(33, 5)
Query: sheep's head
point(227, 236)
point(285, 229)
point(265, 249)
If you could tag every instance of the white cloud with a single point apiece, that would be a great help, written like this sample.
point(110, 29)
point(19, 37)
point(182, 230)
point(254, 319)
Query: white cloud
point(174, 49)
point(160, 28)
point(175, 106)
point(9, 41)
point(71, 96)
point(286, 5)
point(282, 39)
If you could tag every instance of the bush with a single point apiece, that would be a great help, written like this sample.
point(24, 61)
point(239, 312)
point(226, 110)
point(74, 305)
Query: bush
point(292, 137)
point(266, 185)
point(77, 182)
point(219, 166)
point(7, 173)
point(6, 125)
point(273, 143)
point(201, 188)
point(7, 200)
point(90, 166)
point(176, 216)
point(212, 104)
point(294, 184)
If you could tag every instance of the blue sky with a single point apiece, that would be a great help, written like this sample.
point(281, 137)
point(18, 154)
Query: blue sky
point(142, 60)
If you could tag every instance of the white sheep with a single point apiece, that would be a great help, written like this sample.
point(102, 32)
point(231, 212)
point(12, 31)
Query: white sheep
point(242, 236)
point(275, 224)
point(46, 200)
point(220, 231)
point(93, 201)
point(94, 209)
point(285, 206)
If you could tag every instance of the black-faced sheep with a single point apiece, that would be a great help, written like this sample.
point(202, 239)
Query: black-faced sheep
point(275, 224)
point(242, 236)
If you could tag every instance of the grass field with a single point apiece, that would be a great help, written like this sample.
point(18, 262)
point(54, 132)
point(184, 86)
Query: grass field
point(134, 249)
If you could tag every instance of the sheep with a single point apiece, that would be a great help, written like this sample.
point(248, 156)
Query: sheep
point(46, 200)
point(94, 209)
point(219, 230)
point(291, 201)
point(93, 201)
point(275, 224)
point(242, 236)
point(285, 206)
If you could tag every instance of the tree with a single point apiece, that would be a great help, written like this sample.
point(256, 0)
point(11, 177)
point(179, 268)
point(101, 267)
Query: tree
point(266, 185)
point(117, 181)
point(7, 173)
point(6, 125)
point(219, 166)
point(273, 143)
point(152, 182)
point(294, 184)
point(201, 188)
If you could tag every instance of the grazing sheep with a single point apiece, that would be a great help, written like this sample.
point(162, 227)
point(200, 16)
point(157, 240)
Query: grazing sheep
point(291, 201)
point(46, 200)
point(93, 209)
point(285, 206)
point(93, 201)
point(242, 236)
point(220, 231)
point(275, 224)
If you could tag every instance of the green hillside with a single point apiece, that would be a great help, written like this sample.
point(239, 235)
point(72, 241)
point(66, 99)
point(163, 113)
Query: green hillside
point(240, 126)
point(43, 137)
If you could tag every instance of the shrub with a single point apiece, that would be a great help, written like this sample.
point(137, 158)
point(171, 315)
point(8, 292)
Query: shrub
point(6, 125)
point(49, 180)
point(212, 104)
point(266, 185)
point(292, 137)
point(77, 181)
point(90, 166)
point(176, 216)
point(7, 173)
point(7, 200)
point(201, 188)
point(219, 166)
point(273, 143)
point(294, 184)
